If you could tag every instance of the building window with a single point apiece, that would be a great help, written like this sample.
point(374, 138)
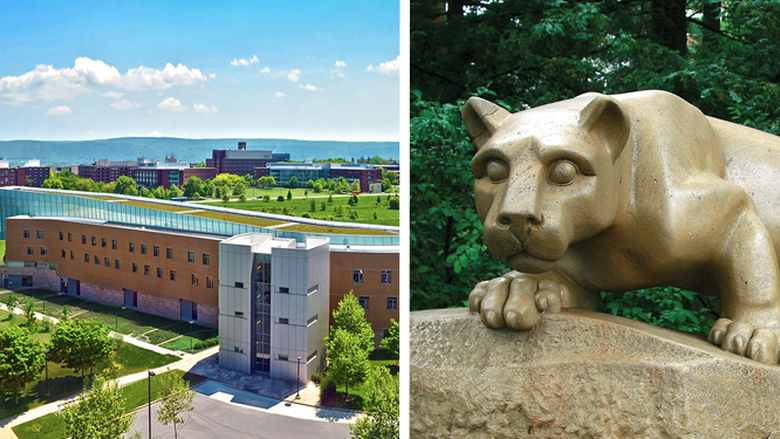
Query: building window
point(107, 262)
point(311, 356)
point(239, 314)
point(156, 251)
point(43, 251)
point(159, 272)
point(194, 280)
point(284, 320)
point(191, 257)
point(363, 301)
point(72, 255)
point(103, 242)
point(173, 275)
point(113, 244)
point(392, 303)
point(30, 251)
point(131, 247)
point(135, 267)
point(386, 277)
point(209, 282)
point(63, 253)
point(284, 290)
point(238, 349)
point(26, 233)
point(206, 259)
point(70, 237)
point(169, 253)
point(84, 239)
point(143, 249)
point(61, 236)
point(147, 270)
point(94, 240)
point(357, 276)
point(86, 257)
point(40, 234)
point(96, 259)
point(239, 285)
point(283, 357)
point(116, 264)
point(312, 319)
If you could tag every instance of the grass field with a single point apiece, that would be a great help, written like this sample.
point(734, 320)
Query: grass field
point(135, 395)
point(157, 330)
point(335, 230)
point(274, 192)
point(259, 222)
point(366, 208)
point(65, 382)
point(2, 250)
point(156, 206)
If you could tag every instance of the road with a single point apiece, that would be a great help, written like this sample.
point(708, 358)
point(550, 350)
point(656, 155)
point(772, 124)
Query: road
point(217, 419)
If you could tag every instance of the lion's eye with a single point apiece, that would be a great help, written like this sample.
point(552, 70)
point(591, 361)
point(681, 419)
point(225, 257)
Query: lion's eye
point(497, 170)
point(563, 172)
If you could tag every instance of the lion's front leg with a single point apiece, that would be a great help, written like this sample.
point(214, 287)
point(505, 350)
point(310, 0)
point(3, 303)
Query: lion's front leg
point(517, 300)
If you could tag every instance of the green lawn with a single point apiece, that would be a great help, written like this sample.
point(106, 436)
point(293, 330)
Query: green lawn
point(377, 358)
point(366, 208)
point(135, 395)
point(156, 206)
point(241, 219)
point(66, 382)
point(274, 192)
point(126, 321)
point(335, 230)
point(2, 250)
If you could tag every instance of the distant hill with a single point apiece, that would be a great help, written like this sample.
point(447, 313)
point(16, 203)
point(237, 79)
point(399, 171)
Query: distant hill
point(191, 150)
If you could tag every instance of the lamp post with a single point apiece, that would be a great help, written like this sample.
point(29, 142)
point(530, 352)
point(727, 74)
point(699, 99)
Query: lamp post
point(298, 380)
point(151, 374)
point(46, 353)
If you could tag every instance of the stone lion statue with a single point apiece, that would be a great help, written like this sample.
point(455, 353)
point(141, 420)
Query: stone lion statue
point(615, 193)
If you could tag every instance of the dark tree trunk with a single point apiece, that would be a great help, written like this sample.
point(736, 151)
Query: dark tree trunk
point(669, 25)
point(711, 21)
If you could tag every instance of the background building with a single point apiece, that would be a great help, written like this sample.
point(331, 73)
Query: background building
point(32, 172)
point(242, 161)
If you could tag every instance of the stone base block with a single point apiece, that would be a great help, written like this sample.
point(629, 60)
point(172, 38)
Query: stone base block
point(100, 294)
point(581, 374)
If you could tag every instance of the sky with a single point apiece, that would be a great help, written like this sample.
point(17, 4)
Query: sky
point(313, 70)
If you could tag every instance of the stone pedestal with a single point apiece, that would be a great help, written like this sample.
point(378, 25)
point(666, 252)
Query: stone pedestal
point(581, 374)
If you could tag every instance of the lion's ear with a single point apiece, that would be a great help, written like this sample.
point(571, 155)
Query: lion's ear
point(607, 118)
point(482, 119)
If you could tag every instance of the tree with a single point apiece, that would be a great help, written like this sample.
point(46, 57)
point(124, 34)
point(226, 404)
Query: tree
point(176, 398)
point(347, 360)
point(392, 176)
point(192, 185)
point(28, 310)
point(330, 199)
point(219, 191)
point(313, 206)
point(381, 402)
point(145, 192)
point(11, 301)
point(99, 413)
point(355, 186)
point(53, 183)
point(239, 189)
point(350, 316)
point(289, 194)
point(395, 203)
point(390, 343)
point(175, 192)
point(310, 184)
point(21, 359)
point(317, 187)
point(80, 344)
point(126, 185)
point(293, 182)
point(280, 198)
point(225, 195)
point(242, 197)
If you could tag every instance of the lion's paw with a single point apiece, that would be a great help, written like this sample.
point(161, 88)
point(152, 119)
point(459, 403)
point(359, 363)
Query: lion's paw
point(514, 300)
point(760, 344)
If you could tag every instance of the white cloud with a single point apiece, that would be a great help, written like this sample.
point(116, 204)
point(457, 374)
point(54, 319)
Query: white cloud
point(202, 108)
point(388, 67)
point(113, 95)
point(244, 62)
point(124, 104)
point(59, 110)
point(265, 69)
point(294, 75)
point(279, 94)
point(309, 87)
point(340, 64)
point(336, 73)
point(48, 83)
point(171, 104)
point(212, 76)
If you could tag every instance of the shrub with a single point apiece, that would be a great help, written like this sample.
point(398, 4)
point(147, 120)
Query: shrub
point(327, 387)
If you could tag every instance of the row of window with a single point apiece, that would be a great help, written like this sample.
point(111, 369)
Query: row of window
point(357, 276)
point(392, 302)
point(205, 257)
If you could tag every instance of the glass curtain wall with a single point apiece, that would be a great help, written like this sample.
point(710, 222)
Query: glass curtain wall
point(262, 314)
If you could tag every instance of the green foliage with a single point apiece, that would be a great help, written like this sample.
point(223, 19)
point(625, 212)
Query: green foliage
point(125, 185)
point(395, 203)
point(351, 317)
point(289, 193)
point(176, 398)
point(21, 359)
point(390, 343)
point(11, 301)
point(381, 406)
point(99, 413)
point(280, 198)
point(293, 182)
point(667, 307)
point(174, 191)
point(239, 189)
point(347, 359)
point(80, 344)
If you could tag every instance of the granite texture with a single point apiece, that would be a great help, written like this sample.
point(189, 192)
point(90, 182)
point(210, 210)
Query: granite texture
point(581, 374)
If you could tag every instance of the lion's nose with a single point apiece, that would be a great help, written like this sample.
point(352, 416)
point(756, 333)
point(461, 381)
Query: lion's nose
point(525, 219)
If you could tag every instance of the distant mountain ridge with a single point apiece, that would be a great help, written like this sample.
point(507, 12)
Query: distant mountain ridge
point(191, 150)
